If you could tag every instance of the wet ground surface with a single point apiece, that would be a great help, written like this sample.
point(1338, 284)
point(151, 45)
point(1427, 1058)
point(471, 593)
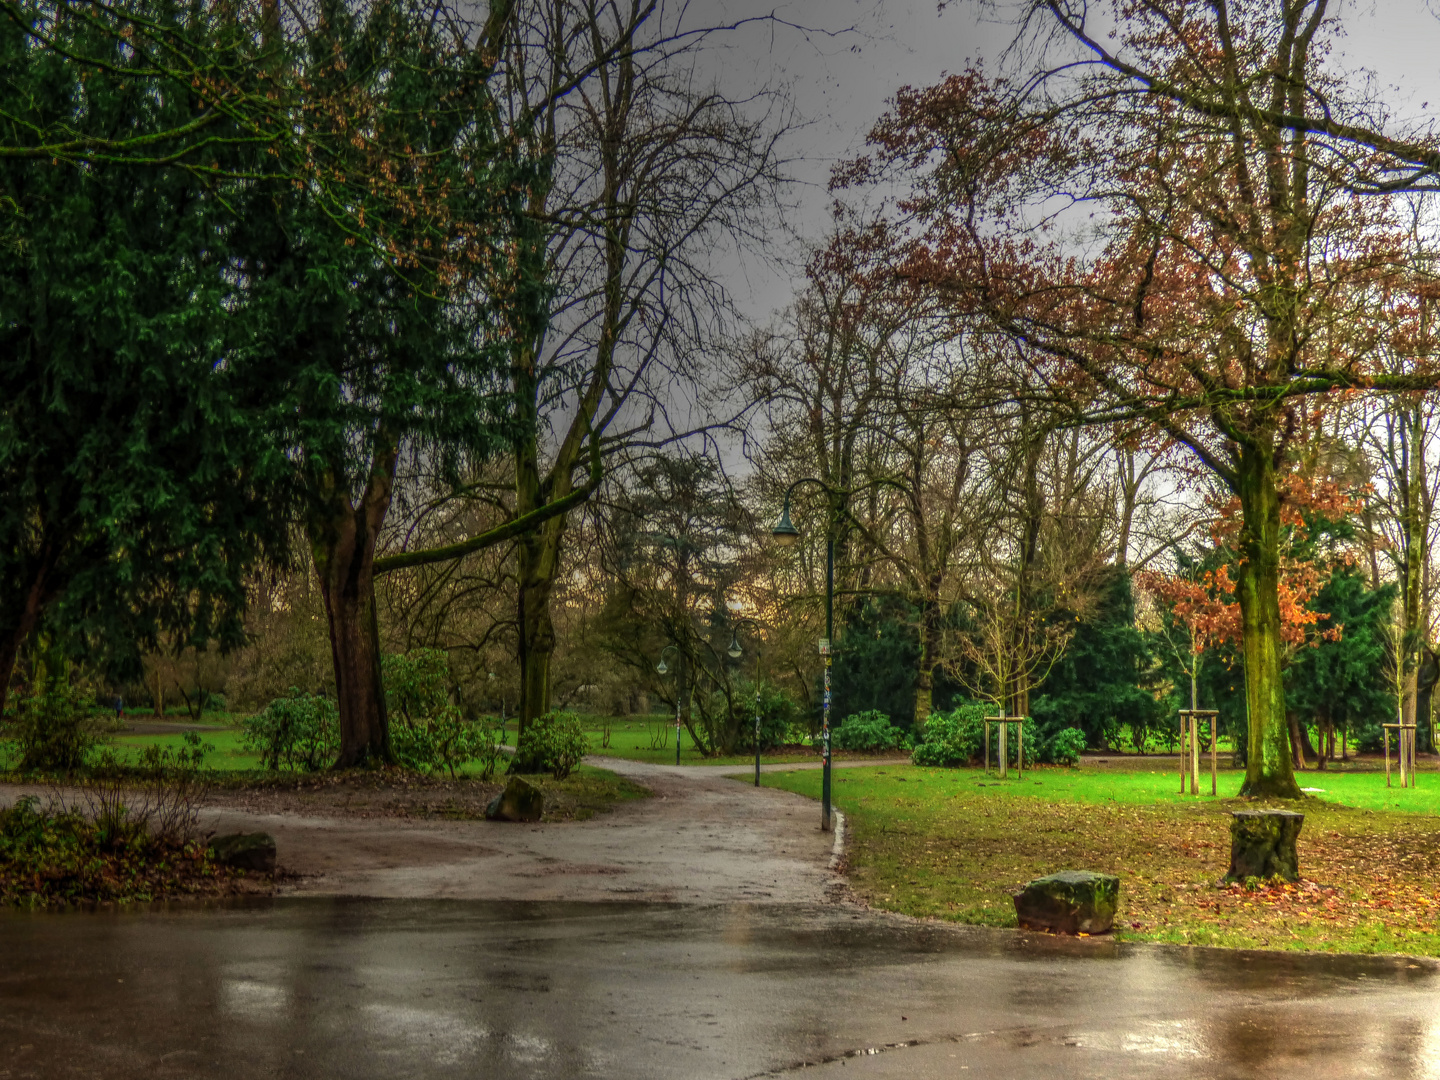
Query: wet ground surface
point(324, 987)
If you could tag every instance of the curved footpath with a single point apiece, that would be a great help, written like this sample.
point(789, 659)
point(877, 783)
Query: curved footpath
point(701, 838)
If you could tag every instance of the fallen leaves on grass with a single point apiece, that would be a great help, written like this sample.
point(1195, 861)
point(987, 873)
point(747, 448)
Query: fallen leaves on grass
point(1369, 885)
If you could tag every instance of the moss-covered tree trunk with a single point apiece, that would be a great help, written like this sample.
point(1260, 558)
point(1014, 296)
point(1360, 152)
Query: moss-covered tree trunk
point(1414, 529)
point(929, 651)
point(20, 614)
point(1268, 769)
point(538, 556)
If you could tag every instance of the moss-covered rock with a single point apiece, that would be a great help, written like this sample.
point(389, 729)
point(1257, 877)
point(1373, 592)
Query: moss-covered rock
point(520, 801)
point(1070, 902)
point(1262, 844)
point(245, 851)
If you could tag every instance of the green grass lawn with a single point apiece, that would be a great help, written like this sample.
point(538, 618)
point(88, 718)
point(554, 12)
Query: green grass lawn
point(226, 754)
point(634, 738)
point(177, 716)
point(953, 844)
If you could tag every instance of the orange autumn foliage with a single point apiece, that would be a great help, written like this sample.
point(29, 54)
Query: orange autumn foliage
point(1208, 606)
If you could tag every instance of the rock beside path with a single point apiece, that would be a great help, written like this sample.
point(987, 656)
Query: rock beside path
point(520, 801)
point(1070, 902)
point(1262, 844)
point(245, 851)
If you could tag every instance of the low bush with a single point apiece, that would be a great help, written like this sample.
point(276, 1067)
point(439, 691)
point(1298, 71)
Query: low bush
point(553, 743)
point(54, 729)
point(300, 731)
point(427, 732)
point(446, 740)
point(159, 796)
point(957, 737)
point(778, 717)
point(131, 833)
point(57, 855)
point(870, 730)
point(1065, 747)
point(953, 738)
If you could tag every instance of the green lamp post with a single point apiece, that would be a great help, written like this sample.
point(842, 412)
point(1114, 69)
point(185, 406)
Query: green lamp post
point(787, 535)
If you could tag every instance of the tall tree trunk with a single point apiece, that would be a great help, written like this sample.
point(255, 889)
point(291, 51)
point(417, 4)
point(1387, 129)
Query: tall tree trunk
point(10, 643)
point(539, 558)
point(1413, 537)
point(1300, 747)
point(1268, 771)
point(342, 537)
point(20, 620)
point(925, 665)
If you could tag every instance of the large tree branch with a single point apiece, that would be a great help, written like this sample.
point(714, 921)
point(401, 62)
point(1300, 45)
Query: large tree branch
point(1418, 156)
point(515, 527)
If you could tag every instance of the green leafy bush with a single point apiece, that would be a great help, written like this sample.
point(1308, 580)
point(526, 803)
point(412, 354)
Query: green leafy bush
point(953, 738)
point(552, 743)
point(53, 730)
point(778, 716)
point(1065, 747)
point(957, 738)
point(427, 732)
point(446, 740)
point(300, 731)
point(417, 683)
point(870, 730)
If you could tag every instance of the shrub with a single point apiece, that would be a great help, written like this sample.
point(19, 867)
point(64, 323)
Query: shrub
point(958, 738)
point(53, 729)
point(446, 740)
point(953, 738)
point(778, 714)
point(56, 855)
point(301, 731)
point(870, 730)
point(1065, 747)
point(552, 743)
point(417, 682)
point(159, 797)
point(427, 732)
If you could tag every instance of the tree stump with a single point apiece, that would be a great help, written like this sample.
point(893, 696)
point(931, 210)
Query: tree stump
point(1262, 844)
point(1070, 902)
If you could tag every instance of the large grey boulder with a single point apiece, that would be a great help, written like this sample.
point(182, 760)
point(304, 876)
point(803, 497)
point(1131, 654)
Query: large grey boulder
point(1262, 844)
point(244, 851)
point(520, 801)
point(1070, 902)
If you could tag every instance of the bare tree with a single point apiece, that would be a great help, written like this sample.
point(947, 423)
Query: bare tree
point(656, 176)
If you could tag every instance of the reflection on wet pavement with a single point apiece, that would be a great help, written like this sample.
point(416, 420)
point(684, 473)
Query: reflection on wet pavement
point(334, 988)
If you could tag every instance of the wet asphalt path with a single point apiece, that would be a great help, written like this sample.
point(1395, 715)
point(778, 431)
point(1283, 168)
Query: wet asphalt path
point(326, 987)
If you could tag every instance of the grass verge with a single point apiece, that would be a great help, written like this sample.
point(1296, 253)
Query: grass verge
point(586, 792)
point(953, 844)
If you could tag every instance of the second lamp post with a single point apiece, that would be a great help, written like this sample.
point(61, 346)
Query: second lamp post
point(787, 534)
point(662, 669)
point(735, 652)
